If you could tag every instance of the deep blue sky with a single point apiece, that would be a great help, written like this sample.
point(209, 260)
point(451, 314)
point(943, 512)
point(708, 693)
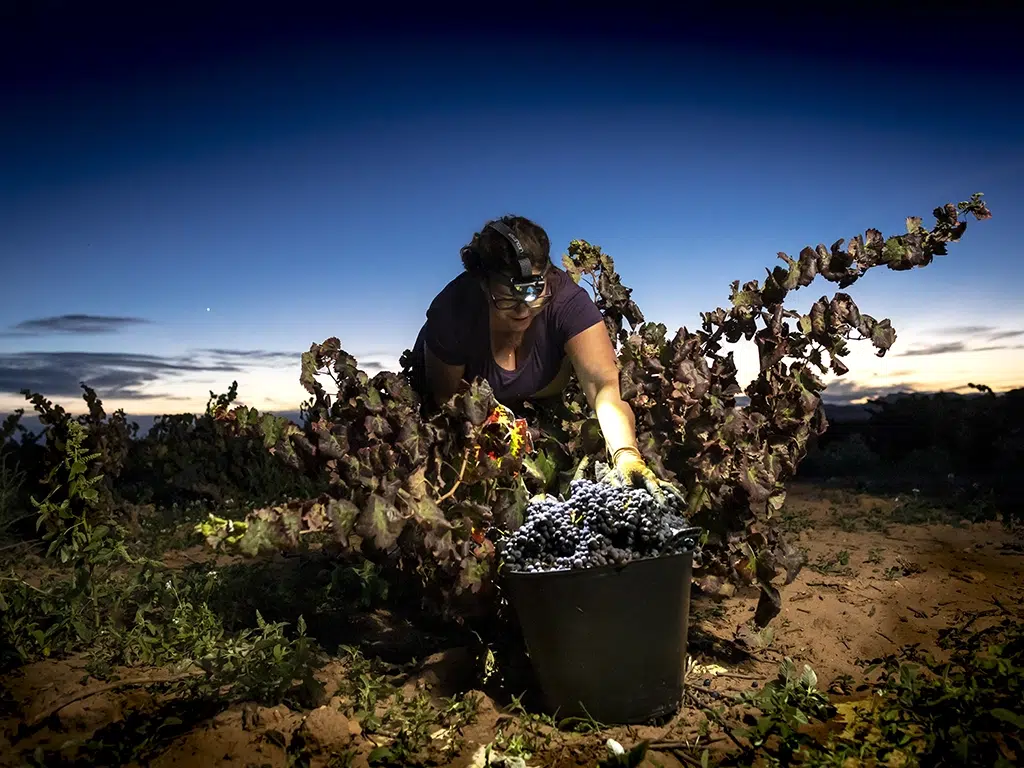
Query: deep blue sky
point(212, 199)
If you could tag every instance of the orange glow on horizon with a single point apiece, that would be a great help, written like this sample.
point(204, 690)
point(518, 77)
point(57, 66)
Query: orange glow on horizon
point(277, 389)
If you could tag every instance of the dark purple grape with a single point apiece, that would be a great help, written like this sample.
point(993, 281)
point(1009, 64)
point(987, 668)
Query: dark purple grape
point(597, 525)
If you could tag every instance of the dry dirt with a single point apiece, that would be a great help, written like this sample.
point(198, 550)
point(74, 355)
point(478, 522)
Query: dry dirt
point(892, 587)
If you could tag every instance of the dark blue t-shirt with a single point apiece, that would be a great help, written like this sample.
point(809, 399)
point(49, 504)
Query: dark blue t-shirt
point(458, 333)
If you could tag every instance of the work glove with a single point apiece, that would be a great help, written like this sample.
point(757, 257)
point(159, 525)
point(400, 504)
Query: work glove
point(635, 472)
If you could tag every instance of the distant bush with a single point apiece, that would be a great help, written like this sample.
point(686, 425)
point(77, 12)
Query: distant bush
point(225, 454)
point(980, 434)
point(848, 456)
point(964, 447)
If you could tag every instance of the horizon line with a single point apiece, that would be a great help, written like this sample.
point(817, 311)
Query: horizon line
point(741, 399)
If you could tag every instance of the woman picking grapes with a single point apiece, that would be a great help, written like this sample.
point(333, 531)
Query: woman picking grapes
point(524, 325)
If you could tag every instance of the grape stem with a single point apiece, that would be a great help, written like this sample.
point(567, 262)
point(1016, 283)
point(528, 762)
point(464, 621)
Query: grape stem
point(458, 480)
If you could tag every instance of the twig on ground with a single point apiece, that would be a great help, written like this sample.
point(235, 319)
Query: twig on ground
point(676, 744)
point(737, 742)
point(15, 545)
point(740, 676)
point(682, 757)
point(837, 585)
point(1002, 606)
point(669, 727)
point(65, 701)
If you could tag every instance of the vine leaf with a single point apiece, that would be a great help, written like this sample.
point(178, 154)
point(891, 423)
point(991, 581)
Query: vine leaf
point(343, 515)
point(379, 522)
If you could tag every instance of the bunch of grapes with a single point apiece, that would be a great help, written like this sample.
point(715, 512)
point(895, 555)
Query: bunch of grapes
point(599, 524)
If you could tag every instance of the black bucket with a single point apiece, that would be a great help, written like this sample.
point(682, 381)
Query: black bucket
point(608, 642)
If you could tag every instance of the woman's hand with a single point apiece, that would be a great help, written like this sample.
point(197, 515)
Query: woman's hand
point(635, 472)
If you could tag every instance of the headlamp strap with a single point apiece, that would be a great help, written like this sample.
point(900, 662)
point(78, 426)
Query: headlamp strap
point(525, 268)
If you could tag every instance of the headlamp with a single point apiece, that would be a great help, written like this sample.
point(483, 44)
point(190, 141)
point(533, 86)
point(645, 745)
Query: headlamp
point(528, 290)
point(525, 286)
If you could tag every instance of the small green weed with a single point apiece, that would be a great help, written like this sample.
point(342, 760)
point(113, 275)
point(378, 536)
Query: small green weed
point(416, 730)
point(833, 564)
point(902, 567)
point(965, 710)
point(846, 519)
point(794, 521)
point(874, 556)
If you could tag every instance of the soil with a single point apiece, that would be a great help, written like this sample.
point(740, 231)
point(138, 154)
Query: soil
point(873, 584)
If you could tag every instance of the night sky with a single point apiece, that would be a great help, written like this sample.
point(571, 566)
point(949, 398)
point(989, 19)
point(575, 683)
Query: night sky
point(195, 198)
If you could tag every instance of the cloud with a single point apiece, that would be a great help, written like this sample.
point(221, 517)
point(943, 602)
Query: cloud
point(995, 347)
point(77, 324)
point(936, 349)
point(57, 374)
point(1005, 335)
point(260, 356)
point(130, 376)
point(381, 353)
point(965, 330)
point(956, 346)
point(371, 364)
point(988, 331)
point(846, 392)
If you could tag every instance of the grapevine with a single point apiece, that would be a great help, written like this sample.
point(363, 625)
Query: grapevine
point(429, 492)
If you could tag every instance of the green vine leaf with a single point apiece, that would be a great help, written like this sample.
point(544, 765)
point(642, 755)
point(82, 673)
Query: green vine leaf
point(379, 522)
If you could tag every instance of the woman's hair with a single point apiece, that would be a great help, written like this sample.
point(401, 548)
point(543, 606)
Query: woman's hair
point(490, 252)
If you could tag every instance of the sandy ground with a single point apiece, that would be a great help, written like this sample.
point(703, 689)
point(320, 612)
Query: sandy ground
point(872, 586)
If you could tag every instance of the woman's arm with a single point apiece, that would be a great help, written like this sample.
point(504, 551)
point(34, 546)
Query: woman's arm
point(442, 378)
point(593, 358)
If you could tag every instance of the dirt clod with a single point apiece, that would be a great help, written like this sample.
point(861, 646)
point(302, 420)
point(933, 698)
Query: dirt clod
point(327, 729)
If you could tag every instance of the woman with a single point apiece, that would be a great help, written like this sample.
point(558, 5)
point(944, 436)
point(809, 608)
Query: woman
point(519, 322)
